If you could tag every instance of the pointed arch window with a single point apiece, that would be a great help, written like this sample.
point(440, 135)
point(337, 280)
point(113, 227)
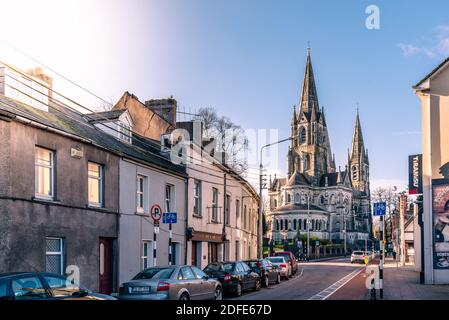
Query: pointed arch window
point(294, 224)
point(302, 135)
point(354, 173)
point(297, 198)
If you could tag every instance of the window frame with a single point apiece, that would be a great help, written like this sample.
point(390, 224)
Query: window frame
point(55, 253)
point(149, 257)
point(52, 174)
point(100, 180)
point(197, 198)
point(168, 201)
point(214, 216)
point(144, 193)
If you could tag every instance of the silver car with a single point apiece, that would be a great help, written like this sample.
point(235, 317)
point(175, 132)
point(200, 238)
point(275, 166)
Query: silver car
point(171, 283)
point(285, 268)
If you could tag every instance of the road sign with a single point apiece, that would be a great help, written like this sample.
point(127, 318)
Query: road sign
point(156, 212)
point(156, 230)
point(379, 209)
point(169, 217)
point(317, 243)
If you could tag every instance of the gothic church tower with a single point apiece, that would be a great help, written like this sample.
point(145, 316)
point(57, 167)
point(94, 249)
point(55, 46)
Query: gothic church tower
point(310, 151)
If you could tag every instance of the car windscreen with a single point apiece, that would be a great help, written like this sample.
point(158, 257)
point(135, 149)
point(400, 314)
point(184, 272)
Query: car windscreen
point(277, 259)
point(222, 267)
point(155, 273)
point(252, 264)
point(285, 255)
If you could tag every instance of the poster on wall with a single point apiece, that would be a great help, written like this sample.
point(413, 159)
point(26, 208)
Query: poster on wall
point(440, 217)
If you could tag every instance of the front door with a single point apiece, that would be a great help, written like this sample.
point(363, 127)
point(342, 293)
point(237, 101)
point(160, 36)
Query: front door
point(105, 256)
point(194, 253)
point(213, 252)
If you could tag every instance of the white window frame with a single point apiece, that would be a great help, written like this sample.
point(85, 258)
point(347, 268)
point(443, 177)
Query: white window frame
point(100, 183)
point(143, 192)
point(149, 256)
point(214, 207)
point(56, 253)
point(52, 174)
point(169, 204)
point(124, 130)
point(227, 214)
point(197, 198)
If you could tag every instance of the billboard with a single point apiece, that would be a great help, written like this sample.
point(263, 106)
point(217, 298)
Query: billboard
point(440, 220)
point(415, 174)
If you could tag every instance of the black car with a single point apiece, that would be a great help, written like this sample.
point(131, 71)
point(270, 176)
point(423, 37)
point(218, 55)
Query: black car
point(43, 286)
point(268, 272)
point(235, 276)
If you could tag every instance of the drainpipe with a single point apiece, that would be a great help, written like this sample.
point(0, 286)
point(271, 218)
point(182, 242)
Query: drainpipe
point(186, 210)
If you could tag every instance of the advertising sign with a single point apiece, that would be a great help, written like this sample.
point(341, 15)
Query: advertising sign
point(415, 174)
point(440, 219)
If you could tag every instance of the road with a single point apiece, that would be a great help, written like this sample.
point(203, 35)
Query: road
point(330, 279)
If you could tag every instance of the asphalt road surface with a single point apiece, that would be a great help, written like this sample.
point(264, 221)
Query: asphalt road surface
point(313, 281)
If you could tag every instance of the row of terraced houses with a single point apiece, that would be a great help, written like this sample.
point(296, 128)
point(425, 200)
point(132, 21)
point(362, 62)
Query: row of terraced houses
point(77, 188)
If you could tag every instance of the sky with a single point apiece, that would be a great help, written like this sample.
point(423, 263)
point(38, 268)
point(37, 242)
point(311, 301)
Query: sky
point(246, 59)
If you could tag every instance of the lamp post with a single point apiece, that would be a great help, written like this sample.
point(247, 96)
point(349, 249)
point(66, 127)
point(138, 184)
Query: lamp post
point(308, 226)
point(260, 231)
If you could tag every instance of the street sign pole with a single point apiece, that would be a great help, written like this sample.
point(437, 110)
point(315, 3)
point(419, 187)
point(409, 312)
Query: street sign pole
point(154, 246)
point(381, 263)
point(170, 253)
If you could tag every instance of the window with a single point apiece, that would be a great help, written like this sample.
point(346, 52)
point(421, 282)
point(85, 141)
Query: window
point(354, 173)
point(299, 224)
point(286, 224)
point(124, 132)
point(245, 218)
point(282, 224)
point(28, 288)
point(61, 287)
point(288, 198)
point(142, 194)
point(297, 198)
point(44, 173)
point(54, 255)
point(147, 253)
point(187, 274)
point(198, 273)
point(237, 208)
point(197, 197)
point(275, 203)
point(174, 253)
point(3, 291)
point(302, 136)
point(228, 210)
point(215, 204)
point(294, 224)
point(169, 197)
point(95, 184)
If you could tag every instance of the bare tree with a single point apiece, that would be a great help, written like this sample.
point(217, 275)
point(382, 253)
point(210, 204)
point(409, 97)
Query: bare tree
point(230, 138)
point(389, 195)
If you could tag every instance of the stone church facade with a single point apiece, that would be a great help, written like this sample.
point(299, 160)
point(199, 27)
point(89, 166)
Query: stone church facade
point(337, 201)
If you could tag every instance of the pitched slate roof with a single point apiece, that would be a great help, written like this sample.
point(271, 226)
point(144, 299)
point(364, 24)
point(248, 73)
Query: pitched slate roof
point(102, 116)
point(297, 179)
point(431, 73)
point(74, 123)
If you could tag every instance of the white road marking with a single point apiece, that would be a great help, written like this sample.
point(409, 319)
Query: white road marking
point(326, 293)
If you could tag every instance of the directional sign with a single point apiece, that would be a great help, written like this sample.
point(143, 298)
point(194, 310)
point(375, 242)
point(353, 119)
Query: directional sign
point(169, 217)
point(379, 209)
point(156, 212)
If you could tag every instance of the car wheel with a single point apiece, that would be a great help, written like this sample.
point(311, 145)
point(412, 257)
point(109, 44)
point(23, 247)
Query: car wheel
point(257, 285)
point(184, 296)
point(278, 279)
point(266, 281)
point(218, 293)
point(238, 290)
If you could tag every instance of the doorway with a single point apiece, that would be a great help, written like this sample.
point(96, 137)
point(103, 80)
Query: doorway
point(106, 265)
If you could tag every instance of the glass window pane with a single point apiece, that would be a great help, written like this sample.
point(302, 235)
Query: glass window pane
point(61, 287)
point(44, 181)
point(53, 264)
point(53, 245)
point(94, 191)
point(26, 288)
point(3, 290)
point(94, 169)
point(43, 156)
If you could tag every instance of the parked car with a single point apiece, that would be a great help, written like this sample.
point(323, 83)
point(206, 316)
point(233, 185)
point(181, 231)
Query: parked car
point(171, 283)
point(358, 256)
point(44, 286)
point(235, 276)
point(290, 258)
point(284, 267)
point(268, 272)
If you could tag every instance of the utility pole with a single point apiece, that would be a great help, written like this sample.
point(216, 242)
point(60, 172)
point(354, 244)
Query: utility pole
point(260, 224)
point(382, 257)
point(403, 207)
point(308, 226)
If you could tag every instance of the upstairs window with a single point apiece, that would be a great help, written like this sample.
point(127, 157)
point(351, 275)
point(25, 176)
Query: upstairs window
point(124, 132)
point(197, 197)
point(95, 184)
point(302, 135)
point(142, 194)
point(44, 173)
point(169, 197)
point(215, 204)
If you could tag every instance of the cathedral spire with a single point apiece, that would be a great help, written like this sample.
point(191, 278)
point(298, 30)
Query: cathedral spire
point(358, 147)
point(309, 98)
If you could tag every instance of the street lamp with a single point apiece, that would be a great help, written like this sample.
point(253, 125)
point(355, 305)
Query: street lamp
point(308, 226)
point(260, 232)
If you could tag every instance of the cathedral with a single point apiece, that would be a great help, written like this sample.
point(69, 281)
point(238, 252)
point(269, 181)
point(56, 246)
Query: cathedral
point(336, 202)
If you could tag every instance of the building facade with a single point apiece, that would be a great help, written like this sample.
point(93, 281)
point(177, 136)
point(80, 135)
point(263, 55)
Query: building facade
point(334, 204)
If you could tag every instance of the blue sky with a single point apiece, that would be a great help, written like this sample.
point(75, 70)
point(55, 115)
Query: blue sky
point(246, 59)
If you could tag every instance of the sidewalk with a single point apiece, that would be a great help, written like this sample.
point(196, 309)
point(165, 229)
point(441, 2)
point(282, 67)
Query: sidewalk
point(402, 283)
